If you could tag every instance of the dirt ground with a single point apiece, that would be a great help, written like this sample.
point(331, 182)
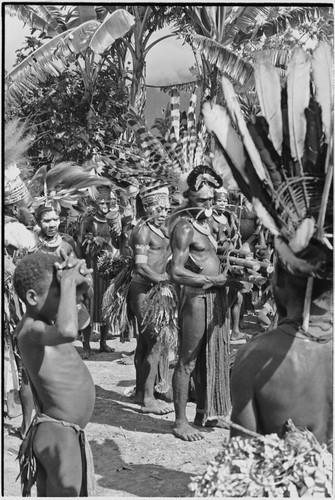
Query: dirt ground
point(134, 454)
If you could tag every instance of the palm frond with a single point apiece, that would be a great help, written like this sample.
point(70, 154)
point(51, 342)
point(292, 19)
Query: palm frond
point(231, 65)
point(36, 16)
point(251, 17)
point(51, 58)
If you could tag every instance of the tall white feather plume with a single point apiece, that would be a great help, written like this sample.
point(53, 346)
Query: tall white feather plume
point(302, 235)
point(269, 92)
point(218, 121)
point(237, 117)
point(323, 76)
point(298, 94)
point(264, 217)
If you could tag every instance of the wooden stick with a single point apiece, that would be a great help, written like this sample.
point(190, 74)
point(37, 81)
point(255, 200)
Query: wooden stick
point(250, 433)
point(319, 231)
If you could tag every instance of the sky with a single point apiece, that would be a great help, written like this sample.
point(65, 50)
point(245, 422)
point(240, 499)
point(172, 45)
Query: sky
point(167, 63)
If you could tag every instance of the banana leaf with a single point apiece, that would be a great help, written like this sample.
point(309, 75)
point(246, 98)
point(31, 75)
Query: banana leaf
point(116, 25)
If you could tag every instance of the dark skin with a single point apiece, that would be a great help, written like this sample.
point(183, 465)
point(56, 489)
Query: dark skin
point(88, 226)
point(49, 223)
point(21, 210)
point(186, 242)
point(148, 350)
point(278, 375)
point(63, 384)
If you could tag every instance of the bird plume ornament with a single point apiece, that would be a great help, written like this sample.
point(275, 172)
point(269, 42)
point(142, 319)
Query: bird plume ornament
point(63, 184)
point(175, 151)
point(16, 165)
point(282, 157)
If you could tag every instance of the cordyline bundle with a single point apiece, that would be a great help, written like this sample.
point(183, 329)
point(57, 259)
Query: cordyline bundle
point(109, 266)
point(114, 302)
point(264, 466)
point(160, 314)
point(94, 246)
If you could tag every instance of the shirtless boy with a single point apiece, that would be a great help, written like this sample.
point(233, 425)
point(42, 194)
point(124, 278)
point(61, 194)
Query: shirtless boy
point(151, 247)
point(61, 383)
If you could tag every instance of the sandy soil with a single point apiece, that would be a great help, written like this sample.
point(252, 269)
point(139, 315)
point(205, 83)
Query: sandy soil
point(134, 454)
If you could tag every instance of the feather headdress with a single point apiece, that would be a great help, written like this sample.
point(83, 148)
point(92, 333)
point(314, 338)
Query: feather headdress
point(180, 144)
point(282, 159)
point(16, 166)
point(63, 184)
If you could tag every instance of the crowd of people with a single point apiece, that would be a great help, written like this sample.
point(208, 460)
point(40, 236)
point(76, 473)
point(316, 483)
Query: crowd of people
point(55, 289)
point(177, 266)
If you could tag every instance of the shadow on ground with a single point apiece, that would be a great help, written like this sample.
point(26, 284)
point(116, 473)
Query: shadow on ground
point(143, 480)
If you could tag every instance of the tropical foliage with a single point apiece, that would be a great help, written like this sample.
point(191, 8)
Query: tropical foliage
point(87, 65)
point(65, 124)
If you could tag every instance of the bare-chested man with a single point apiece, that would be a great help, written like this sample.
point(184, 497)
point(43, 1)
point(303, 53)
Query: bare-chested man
point(151, 247)
point(62, 385)
point(286, 373)
point(204, 339)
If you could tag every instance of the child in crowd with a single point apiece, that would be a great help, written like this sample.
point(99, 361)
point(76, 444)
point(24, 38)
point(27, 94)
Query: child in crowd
point(54, 453)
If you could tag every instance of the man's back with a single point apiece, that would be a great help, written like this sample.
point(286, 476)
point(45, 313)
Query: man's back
point(284, 374)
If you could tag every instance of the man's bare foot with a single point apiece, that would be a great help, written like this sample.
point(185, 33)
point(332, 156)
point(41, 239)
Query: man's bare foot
point(106, 348)
point(126, 359)
point(238, 337)
point(157, 407)
point(213, 422)
point(86, 354)
point(186, 432)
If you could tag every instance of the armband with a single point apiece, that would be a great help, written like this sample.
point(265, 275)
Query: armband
point(141, 259)
point(141, 249)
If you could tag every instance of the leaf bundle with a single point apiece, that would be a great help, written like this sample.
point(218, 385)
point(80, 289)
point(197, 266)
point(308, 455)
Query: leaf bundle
point(266, 466)
point(160, 314)
point(114, 302)
point(109, 267)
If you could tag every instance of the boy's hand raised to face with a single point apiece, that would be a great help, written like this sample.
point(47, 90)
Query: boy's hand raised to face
point(74, 268)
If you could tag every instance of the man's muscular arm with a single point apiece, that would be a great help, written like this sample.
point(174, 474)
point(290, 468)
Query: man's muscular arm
point(182, 238)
